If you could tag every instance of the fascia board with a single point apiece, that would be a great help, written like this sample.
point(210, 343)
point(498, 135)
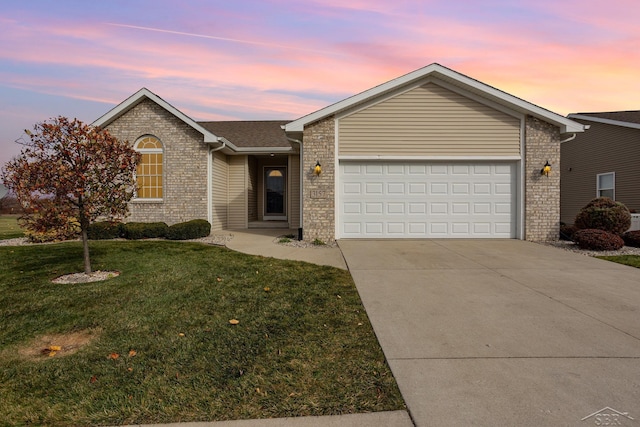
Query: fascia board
point(604, 121)
point(438, 71)
point(263, 150)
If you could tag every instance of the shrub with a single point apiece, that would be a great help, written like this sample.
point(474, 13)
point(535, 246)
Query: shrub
point(598, 240)
point(193, 229)
point(632, 238)
point(144, 230)
point(103, 230)
point(604, 214)
point(566, 231)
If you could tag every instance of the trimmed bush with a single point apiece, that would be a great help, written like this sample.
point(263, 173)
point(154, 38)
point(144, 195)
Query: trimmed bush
point(144, 230)
point(604, 214)
point(566, 231)
point(103, 230)
point(632, 238)
point(598, 240)
point(193, 229)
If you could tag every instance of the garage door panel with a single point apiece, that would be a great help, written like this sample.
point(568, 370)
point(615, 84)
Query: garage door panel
point(419, 199)
point(395, 208)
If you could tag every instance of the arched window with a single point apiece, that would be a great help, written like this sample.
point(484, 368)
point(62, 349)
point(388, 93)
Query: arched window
point(149, 172)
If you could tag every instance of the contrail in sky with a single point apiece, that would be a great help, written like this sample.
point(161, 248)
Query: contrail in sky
point(204, 36)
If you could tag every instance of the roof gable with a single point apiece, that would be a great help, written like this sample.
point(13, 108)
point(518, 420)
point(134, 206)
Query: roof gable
point(145, 93)
point(437, 71)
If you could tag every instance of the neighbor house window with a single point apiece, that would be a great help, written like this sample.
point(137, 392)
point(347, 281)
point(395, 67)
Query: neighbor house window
point(149, 171)
point(607, 185)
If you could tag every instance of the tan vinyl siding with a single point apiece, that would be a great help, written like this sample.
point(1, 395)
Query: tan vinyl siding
point(429, 121)
point(219, 191)
point(294, 191)
point(601, 149)
point(252, 195)
point(237, 192)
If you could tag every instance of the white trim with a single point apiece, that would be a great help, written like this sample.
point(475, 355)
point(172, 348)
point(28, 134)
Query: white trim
point(605, 121)
point(442, 73)
point(263, 150)
point(598, 189)
point(434, 158)
point(141, 200)
point(521, 168)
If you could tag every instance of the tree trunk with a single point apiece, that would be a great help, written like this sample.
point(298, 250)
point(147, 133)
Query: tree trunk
point(84, 225)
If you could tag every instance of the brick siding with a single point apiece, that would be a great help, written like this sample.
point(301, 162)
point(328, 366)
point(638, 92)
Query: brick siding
point(319, 198)
point(185, 164)
point(542, 193)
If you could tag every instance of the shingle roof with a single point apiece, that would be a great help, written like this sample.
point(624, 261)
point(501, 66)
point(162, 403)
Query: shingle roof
point(621, 116)
point(249, 134)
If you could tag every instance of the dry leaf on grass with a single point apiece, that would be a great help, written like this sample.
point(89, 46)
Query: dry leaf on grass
point(114, 356)
point(51, 350)
point(234, 321)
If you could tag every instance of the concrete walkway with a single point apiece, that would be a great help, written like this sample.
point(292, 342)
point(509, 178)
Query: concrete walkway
point(261, 242)
point(503, 332)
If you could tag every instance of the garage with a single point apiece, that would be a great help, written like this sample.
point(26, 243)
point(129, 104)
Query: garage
point(420, 199)
point(431, 154)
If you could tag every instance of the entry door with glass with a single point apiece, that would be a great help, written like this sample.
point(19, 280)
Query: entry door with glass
point(275, 193)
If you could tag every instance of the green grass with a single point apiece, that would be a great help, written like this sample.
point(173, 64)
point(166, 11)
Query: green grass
point(304, 345)
point(632, 260)
point(9, 228)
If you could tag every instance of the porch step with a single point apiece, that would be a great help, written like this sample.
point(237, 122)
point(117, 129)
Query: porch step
point(269, 224)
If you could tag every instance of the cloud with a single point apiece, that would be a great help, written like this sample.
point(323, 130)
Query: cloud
point(204, 36)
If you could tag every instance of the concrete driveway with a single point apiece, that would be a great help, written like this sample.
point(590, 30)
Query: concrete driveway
point(503, 332)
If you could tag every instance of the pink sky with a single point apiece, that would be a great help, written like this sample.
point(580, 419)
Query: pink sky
point(281, 59)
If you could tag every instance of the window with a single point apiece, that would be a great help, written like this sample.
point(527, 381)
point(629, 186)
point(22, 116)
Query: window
point(149, 171)
point(607, 185)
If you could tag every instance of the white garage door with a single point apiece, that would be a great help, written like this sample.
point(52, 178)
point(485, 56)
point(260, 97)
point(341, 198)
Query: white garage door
point(422, 199)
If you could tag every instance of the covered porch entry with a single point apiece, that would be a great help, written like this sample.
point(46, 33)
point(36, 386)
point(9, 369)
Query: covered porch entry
point(255, 191)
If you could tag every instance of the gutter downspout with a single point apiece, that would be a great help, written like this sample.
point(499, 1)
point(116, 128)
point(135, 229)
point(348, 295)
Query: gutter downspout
point(301, 184)
point(571, 138)
point(210, 177)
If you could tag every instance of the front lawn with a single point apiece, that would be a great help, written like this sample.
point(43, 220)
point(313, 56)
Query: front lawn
point(632, 260)
point(9, 228)
point(155, 345)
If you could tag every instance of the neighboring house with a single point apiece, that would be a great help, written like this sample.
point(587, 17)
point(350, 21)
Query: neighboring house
point(604, 161)
point(431, 154)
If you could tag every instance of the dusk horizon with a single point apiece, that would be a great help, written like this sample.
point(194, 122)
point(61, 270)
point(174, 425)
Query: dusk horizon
point(282, 60)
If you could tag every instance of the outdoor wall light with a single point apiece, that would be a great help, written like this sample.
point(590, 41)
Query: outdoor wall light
point(317, 169)
point(546, 169)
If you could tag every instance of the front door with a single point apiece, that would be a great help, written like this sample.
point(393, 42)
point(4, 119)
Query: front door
point(275, 193)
